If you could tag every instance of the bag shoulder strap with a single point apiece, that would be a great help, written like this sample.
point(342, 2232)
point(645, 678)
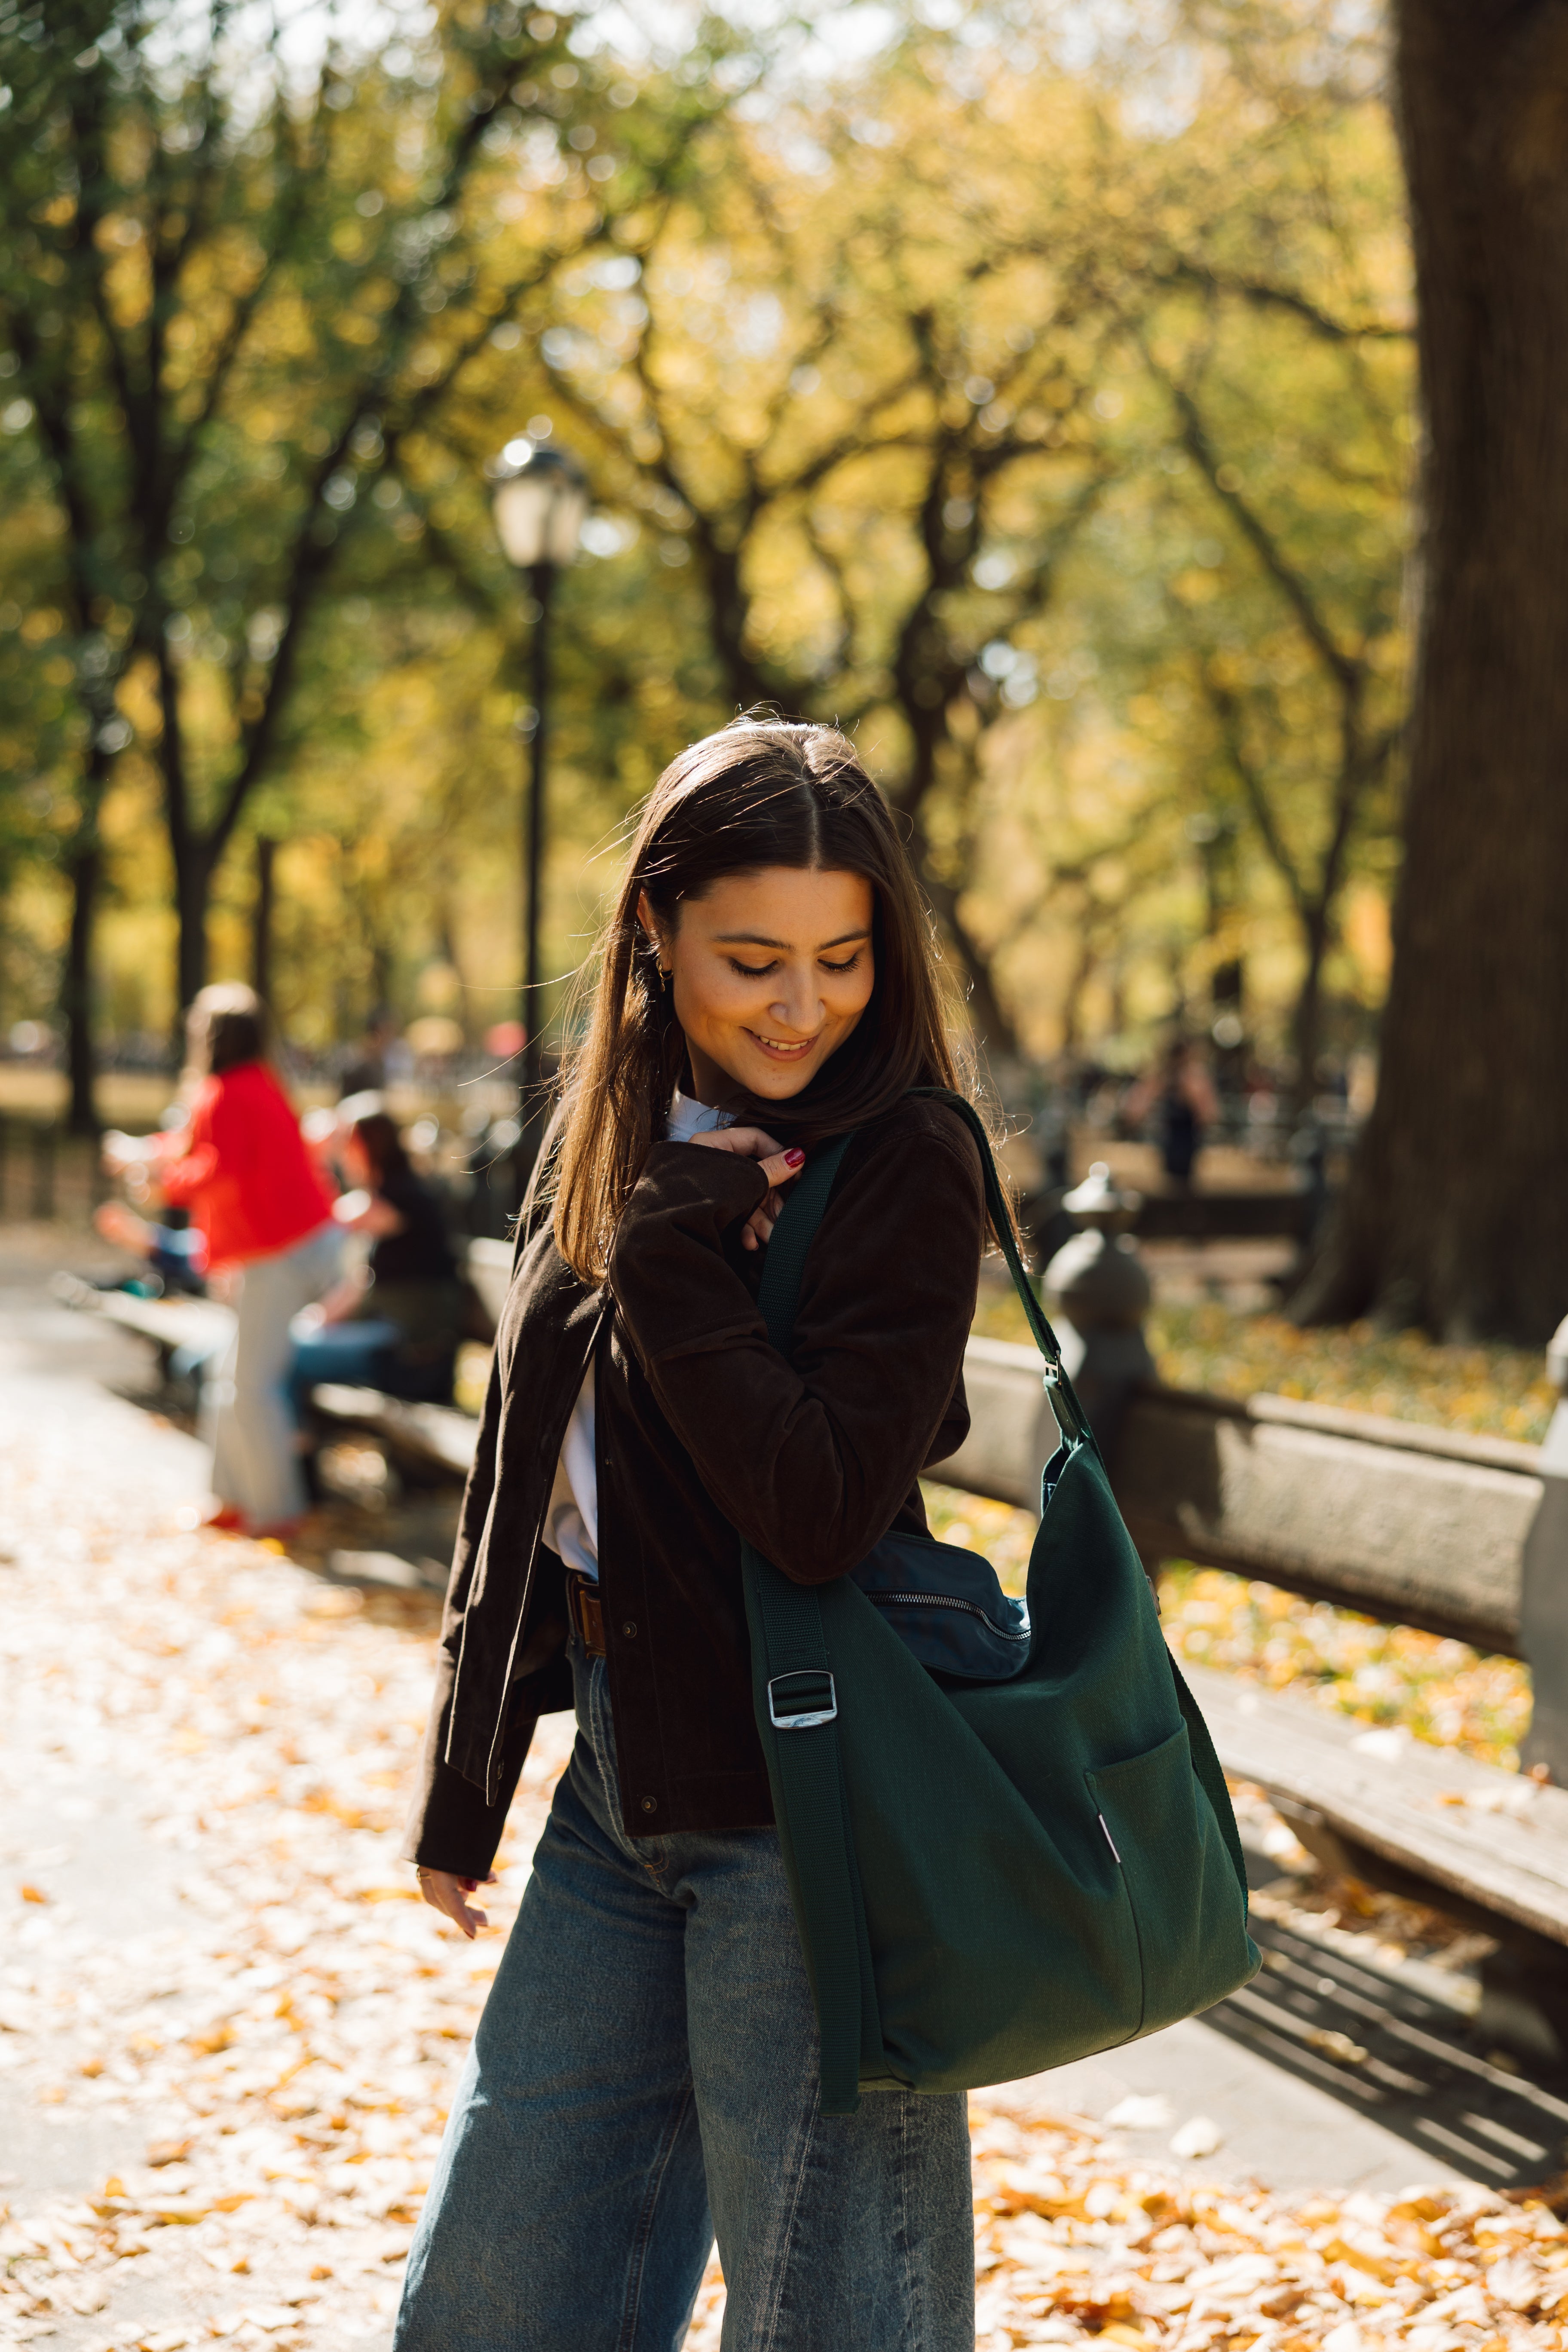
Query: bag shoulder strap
point(1070, 1417)
point(796, 1705)
point(1045, 1338)
point(783, 1265)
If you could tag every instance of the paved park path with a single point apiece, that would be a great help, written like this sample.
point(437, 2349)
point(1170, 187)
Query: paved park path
point(228, 2032)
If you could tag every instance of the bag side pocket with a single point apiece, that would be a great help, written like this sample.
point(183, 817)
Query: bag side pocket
point(1192, 1944)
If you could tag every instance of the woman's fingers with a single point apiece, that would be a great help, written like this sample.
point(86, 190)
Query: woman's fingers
point(445, 1892)
point(782, 1167)
point(751, 1142)
point(759, 1227)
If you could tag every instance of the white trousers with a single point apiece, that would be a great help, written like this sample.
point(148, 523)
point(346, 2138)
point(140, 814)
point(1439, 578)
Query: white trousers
point(246, 1417)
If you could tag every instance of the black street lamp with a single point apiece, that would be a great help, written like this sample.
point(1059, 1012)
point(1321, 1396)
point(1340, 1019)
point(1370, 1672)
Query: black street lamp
point(540, 502)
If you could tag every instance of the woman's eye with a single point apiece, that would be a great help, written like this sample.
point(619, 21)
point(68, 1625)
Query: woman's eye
point(750, 970)
point(841, 967)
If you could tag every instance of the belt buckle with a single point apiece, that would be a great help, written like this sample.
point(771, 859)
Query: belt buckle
point(579, 1591)
point(818, 1703)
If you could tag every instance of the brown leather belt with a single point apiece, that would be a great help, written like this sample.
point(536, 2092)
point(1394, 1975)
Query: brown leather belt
point(586, 1611)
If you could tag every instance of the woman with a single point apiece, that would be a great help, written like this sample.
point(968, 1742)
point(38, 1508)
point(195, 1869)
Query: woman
point(395, 1324)
point(242, 1169)
point(645, 2070)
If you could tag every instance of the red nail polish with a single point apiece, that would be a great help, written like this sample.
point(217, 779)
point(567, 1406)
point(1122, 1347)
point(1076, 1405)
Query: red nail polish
point(794, 1159)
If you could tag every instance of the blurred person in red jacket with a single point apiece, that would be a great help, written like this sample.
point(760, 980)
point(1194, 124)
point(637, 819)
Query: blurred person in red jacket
point(242, 1168)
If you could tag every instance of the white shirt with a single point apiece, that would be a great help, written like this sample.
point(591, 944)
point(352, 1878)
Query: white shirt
point(572, 1515)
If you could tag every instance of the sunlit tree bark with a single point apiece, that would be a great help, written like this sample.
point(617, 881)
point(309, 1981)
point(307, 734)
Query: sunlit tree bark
point(1456, 1215)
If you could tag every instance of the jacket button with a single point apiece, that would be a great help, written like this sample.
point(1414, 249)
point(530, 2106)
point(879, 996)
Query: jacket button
point(629, 1629)
point(650, 1804)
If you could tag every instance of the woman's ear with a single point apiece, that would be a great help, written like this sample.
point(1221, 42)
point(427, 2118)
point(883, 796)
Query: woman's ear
point(646, 918)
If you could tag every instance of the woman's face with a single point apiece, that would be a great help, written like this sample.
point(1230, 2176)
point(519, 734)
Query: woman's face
point(771, 970)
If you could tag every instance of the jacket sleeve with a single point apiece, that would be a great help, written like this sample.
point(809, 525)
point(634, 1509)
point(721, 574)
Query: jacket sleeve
point(180, 1180)
point(810, 1458)
point(450, 1826)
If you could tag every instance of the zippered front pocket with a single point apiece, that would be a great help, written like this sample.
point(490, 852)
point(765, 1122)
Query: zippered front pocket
point(949, 1600)
point(947, 1607)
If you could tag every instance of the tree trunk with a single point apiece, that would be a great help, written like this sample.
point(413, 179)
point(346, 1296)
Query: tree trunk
point(1307, 1018)
point(193, 885)
point(261, 919)
point(76, 993)
point(994, 1033)
point(1457, 1213)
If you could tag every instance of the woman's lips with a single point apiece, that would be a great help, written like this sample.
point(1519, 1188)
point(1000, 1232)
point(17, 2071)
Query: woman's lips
point(780, 1050)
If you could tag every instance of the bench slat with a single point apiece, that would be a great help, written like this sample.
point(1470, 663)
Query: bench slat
point(436, 1434)
point(1419, 1527)
point(1511, 1862)
point(1417, 1536)
point(169, 1323)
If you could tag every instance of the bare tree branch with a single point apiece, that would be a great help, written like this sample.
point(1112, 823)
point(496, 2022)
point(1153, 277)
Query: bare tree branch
point(1262, 296)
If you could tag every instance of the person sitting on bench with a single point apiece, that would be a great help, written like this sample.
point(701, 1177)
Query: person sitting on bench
point(176, 1256)
point(395, 1325)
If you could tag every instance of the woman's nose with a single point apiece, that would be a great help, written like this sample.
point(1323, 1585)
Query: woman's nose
point(796, 1008)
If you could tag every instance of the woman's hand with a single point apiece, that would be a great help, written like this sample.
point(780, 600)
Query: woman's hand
point(366, 1212)
point(780, 1168)
point(339, 1305)
point(120, 1152)
point(445, 1892)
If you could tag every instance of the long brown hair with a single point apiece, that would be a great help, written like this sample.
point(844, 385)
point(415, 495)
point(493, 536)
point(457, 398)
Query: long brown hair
point(378, 1137)
point(760, 792)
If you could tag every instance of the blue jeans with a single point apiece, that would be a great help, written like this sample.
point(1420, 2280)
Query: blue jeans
point(359, 1355)
point(176, 1249)
point(645, 2075)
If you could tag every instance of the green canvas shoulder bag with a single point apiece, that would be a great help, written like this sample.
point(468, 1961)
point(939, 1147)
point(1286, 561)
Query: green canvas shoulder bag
point(990, 1879)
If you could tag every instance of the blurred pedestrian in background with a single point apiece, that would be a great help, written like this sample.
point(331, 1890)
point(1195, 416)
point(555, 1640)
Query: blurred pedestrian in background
point(364, 1071)
point(1179, 1093)
point(241, 1167)
point(393, 1324)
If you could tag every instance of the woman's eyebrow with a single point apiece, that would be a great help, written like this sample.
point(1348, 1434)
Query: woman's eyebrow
point(757, 939)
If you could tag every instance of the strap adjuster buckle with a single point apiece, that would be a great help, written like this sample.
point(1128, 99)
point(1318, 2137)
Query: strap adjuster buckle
point(813, 1700)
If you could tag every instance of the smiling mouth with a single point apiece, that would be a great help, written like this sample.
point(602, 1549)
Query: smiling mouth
point(781, 1049)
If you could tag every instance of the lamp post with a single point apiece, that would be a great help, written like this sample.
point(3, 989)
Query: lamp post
point(540, 502)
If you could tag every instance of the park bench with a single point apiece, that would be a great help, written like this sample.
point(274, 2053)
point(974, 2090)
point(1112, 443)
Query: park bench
point(1462, 1535)
point(1415, 1526)
point(171, 1325)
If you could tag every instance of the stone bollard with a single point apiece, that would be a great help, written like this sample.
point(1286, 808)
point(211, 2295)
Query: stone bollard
point(1096, 1295)
point(1544, 1595)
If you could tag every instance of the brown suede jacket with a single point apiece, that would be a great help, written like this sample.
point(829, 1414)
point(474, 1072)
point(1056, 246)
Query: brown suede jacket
point(703, 1430)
